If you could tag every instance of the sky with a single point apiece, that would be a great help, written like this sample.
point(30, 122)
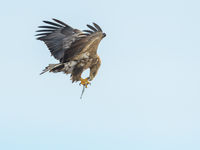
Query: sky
point(144, 97)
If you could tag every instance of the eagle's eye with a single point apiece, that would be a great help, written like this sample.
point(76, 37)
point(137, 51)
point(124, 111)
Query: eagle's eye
point(104, 35)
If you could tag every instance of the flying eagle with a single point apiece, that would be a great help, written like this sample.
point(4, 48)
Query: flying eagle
point(75, 49)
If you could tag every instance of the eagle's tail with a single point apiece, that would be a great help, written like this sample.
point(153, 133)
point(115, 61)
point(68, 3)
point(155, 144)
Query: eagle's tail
point(53, 68)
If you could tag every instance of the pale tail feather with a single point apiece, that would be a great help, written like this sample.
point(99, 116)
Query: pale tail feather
point(53, 68)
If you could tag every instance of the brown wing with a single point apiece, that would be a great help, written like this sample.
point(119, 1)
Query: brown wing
point(90, 39)
point(58, 37)
point(65, 42)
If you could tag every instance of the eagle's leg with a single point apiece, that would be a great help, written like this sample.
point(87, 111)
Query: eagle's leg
point(94, 69)
point(84, 82)
point(76, 76)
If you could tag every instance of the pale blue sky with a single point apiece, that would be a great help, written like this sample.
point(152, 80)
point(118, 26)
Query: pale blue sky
point(145, 96)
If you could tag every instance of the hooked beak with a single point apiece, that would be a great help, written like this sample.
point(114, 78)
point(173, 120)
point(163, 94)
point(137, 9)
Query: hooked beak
point(104, 35)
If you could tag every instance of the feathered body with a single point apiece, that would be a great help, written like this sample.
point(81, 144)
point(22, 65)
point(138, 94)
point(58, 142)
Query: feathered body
point(76, 50)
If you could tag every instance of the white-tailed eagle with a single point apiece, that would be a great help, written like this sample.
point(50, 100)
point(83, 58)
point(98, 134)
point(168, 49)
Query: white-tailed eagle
point(75, 49)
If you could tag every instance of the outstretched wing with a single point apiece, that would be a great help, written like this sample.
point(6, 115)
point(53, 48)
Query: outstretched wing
point(58, 37)
point(63, 41)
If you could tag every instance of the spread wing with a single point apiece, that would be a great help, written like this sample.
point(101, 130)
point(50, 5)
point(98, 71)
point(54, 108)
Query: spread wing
point(63, 41)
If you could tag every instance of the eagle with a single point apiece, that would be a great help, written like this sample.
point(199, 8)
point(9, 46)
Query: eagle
point(75, 49)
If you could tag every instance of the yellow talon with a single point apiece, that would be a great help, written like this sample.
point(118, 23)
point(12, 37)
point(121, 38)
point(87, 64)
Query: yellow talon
point(84, 82)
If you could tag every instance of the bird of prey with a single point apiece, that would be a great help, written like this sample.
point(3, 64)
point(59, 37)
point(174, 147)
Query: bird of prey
point(76, 50)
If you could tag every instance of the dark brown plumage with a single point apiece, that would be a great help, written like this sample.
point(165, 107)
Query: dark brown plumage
point(75, 49)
